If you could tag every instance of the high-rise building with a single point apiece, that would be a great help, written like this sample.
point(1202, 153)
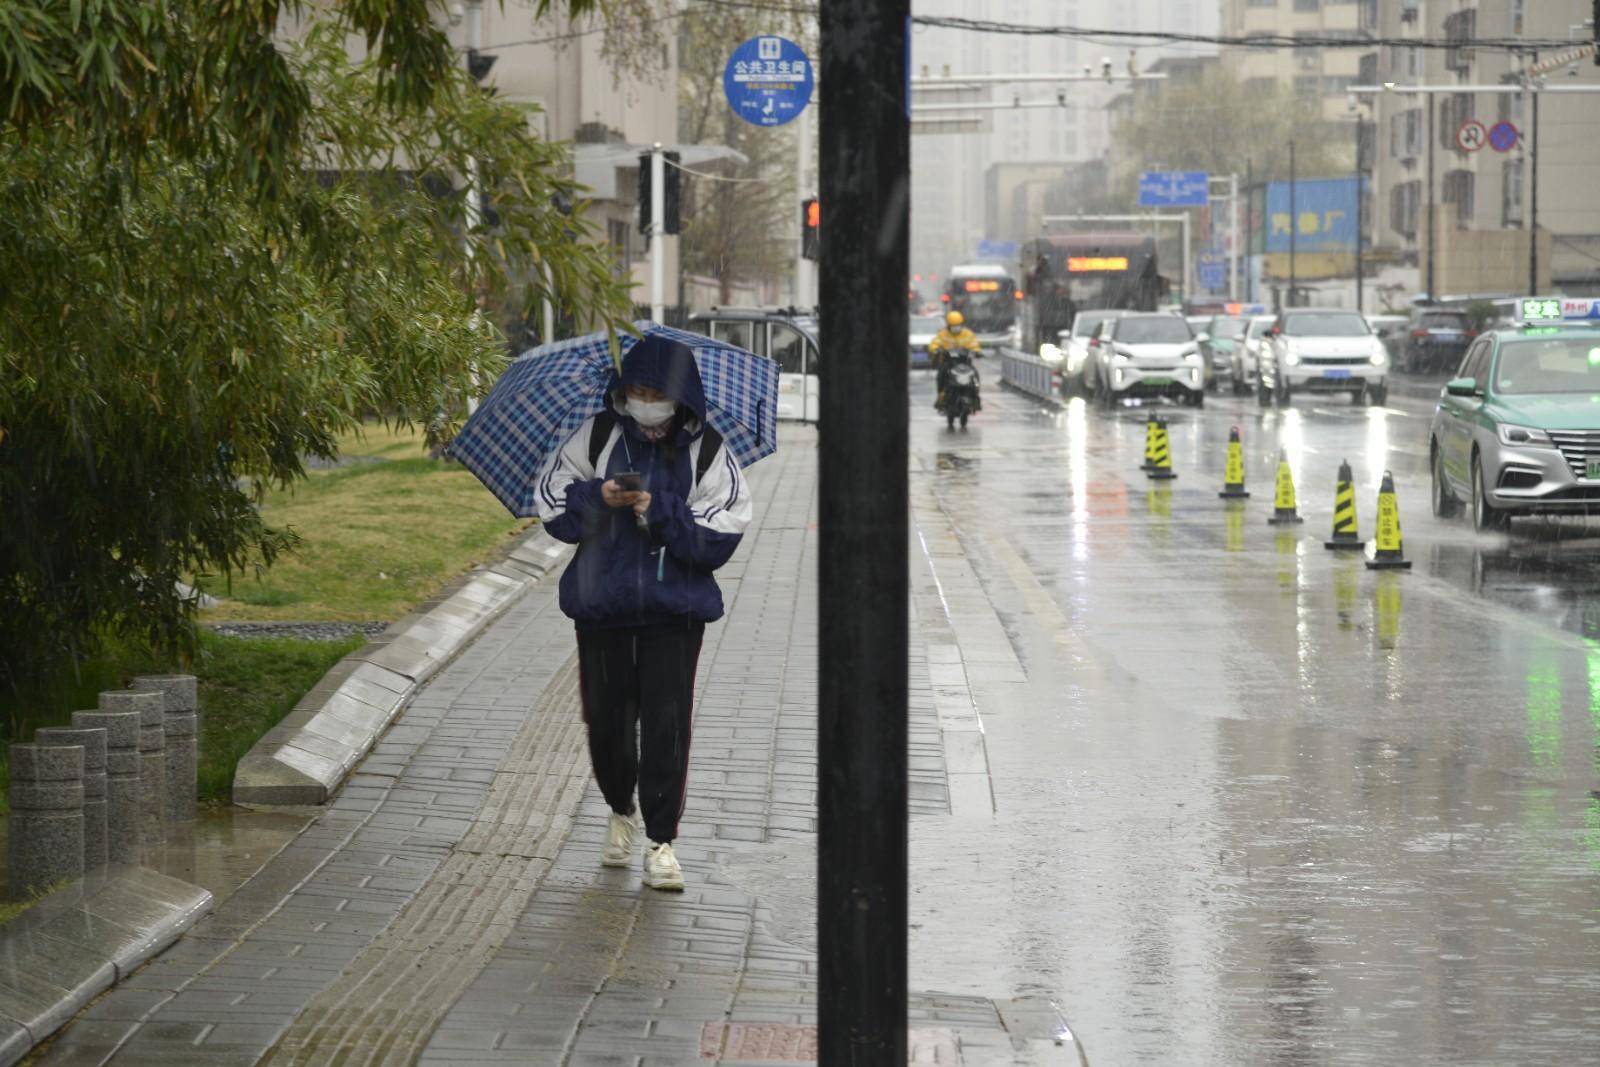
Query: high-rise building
point(1323, 73)
point(951, 180)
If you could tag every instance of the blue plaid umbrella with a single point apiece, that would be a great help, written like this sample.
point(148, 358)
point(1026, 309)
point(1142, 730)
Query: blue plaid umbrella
point(548, 392)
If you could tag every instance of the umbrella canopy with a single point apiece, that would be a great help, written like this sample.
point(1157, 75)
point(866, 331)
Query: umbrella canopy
point(549, 391)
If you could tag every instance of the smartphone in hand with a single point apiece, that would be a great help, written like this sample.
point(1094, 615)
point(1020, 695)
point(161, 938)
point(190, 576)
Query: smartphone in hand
point(629, 481)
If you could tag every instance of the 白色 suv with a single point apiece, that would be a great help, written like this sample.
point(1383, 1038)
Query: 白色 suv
point(1322, 350)
point(1144, 355)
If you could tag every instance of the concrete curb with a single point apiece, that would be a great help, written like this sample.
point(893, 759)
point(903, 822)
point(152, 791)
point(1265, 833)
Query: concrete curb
point(79, 941)
point(304, 758)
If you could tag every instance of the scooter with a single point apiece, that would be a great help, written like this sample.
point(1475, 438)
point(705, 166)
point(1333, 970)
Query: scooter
point(960, 393)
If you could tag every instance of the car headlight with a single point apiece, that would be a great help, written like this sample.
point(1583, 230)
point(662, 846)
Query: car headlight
point(1290, 359)
point(1379, 356)
point(1192, 358)
point(1524, 436)
point(1121, 359)
point(1050, 353)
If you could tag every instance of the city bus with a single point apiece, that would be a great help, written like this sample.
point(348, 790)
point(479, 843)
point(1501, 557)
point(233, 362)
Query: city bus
point(1065, 274)
point(986, 296)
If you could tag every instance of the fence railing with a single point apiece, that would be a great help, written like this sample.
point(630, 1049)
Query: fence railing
point(1029, 374)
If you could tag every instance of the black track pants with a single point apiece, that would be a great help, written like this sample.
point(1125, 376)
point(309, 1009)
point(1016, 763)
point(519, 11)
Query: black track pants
point(638, 695)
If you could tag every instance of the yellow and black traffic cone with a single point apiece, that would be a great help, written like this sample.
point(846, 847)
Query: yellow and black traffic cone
point(1162, 457)
point(1233, 474)
point(1151, 424)
point(1344, 513)
point(1389, 554)
point(1284, 511)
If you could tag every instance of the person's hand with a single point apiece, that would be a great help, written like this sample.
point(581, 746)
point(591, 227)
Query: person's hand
point(617, 497)
point(641, 504)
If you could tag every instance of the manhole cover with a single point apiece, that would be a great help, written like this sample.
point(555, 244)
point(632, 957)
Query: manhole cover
point(797, 1043)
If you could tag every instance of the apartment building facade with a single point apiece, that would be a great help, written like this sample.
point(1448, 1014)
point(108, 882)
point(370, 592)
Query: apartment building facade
point(1481, 202)
point(1323, 73)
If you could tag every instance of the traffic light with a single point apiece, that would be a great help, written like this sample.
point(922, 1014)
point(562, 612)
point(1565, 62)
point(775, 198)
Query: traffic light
point(671, 199)
point(811, 228)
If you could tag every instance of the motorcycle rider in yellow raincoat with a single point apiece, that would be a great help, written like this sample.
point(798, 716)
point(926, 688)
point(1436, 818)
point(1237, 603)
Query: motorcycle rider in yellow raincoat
point(954, 335)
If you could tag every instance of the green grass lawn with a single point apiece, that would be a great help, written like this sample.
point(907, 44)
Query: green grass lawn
point(378, 536)
point(246, 686)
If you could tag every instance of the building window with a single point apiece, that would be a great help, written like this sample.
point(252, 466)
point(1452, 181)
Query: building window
point(1458, 29)
point(1459, 189)
point(1403, 200)
point(1307, 85)
point(1511, 194)
point(619, 232)
point(1307, 5)
point(1413, 62)
point(1405, 134)
point(1369, 69)
point(1369, 14)
point(1259, 86)
point(1511, 108)
point(1453, 111)
point(1261, 3)
point(1518, 22)
point(1337, 84)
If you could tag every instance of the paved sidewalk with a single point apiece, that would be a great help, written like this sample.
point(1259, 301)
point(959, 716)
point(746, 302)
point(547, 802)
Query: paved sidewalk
point(448, 906)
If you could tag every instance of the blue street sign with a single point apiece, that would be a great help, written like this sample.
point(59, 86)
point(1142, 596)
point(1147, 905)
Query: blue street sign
point(1175, 188)
point(1003, 250)
point(1213, 273)
point(1503, 137)
point(768, 81)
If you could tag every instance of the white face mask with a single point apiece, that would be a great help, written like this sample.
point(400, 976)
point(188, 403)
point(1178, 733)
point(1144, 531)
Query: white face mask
point(651, 413)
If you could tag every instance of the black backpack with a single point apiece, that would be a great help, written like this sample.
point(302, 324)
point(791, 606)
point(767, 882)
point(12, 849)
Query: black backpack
point(606, 421)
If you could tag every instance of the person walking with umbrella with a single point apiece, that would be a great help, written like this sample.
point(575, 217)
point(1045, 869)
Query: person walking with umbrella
point(655, 505)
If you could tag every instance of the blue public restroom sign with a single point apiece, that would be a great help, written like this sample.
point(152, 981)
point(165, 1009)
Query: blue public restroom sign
point(1174, 188)
point(768, 81)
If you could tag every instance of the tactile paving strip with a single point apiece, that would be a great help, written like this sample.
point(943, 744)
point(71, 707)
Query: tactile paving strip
point(757, 1043)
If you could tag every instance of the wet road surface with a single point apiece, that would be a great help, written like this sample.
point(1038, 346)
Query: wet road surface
point(1255, 803)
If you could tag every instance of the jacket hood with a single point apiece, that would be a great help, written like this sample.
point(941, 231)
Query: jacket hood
point(666, 365)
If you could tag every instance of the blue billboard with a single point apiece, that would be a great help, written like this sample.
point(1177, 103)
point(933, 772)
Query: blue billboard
point(1173, 188)
point(1323, 219)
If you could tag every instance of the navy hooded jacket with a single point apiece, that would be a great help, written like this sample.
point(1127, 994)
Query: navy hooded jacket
point(622, 574)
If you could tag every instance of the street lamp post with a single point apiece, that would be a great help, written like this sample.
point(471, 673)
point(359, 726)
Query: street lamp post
point(862, 520)
point(1361, 208)
point(1294, 224)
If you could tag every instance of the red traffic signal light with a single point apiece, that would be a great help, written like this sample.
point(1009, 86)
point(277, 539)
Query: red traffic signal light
point(811, 228)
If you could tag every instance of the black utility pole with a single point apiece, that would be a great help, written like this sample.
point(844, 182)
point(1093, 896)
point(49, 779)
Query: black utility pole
point(862, 522)
point(1361, 206)
point(1294, 224)
point(1433, 230)
point(1249, 227)
point(1533, 197)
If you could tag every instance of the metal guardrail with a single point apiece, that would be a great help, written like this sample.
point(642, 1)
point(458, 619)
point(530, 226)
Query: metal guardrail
point(1030, 374)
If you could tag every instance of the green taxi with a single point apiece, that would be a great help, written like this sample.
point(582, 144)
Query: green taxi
point(1517, 431)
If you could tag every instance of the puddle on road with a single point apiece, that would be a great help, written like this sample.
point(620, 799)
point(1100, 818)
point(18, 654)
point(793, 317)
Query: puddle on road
point(219, 851)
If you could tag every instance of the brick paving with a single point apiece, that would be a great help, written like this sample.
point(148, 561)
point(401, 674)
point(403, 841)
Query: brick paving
point(439, 911)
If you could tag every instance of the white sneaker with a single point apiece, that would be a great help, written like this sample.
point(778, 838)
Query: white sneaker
point(622, 841)
point(661, 870)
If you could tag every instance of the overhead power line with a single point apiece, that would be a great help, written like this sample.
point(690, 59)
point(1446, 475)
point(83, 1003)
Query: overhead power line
point(1263, 41)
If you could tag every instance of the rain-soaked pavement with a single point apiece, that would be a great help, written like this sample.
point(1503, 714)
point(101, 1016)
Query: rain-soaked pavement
point(1254, 803)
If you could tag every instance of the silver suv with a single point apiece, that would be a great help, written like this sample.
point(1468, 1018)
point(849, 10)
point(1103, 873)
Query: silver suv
point(1322, 350)
point(1143, 355)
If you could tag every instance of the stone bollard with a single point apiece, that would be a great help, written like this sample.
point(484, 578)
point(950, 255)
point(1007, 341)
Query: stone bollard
point(181, 725)
point(93, 743)
point(124, 792)
point(46, 827)
point(152, 756)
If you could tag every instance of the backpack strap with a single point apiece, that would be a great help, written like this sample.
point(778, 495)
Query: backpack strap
point(710, 445)
point(599, 434)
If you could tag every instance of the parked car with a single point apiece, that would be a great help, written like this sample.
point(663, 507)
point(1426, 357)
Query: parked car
point(1517, 431)
point(1436, 338)
point(922, 331)
point(1322, 350)
point(1247, 353)
point(1144, 355)
point(787, 335)
point(1220, 334)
